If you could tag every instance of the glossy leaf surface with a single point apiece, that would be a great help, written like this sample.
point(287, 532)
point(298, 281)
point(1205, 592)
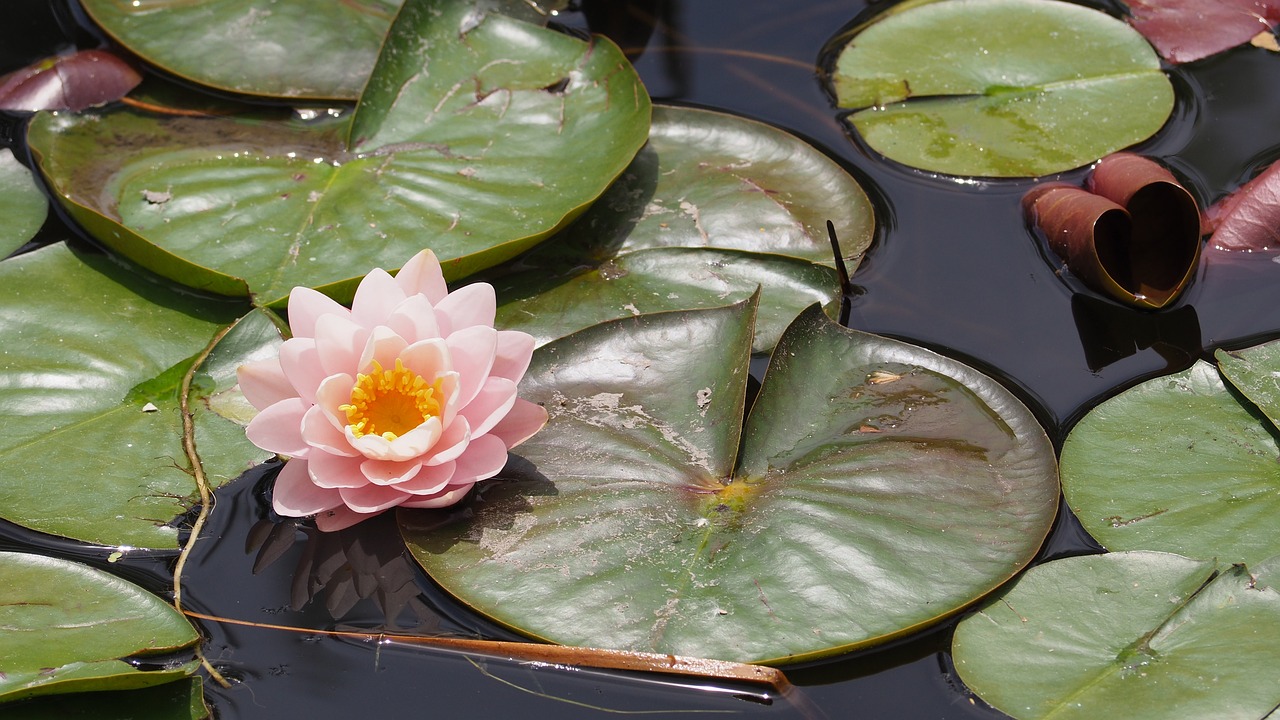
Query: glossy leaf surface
point(1177, 464)
point(23, 206)
point(1188, 30)
point(1249, 218)
point(713, 207)
point(72, 82)
point(69, 628)
point(629, 526)
point(1001, 87)
point(90, 388)
point(1133, 634)
point(477, 158)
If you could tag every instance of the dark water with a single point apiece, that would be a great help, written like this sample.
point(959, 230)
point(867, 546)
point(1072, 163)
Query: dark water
point(954, 268)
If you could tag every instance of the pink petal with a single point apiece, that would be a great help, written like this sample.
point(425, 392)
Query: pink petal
point(339, 342)
point(320, 432)
point(472, 350)
point(263, 383)
point(484, 458)
point(514, 351)
point(371, 498)
point(414, 319)
point(340, 518)
point(490, 405)
point(301, 364)
point(296, 496)
point(452, 442)
point(306, 306)
point(520, 424)
point(428, 358)
point(471, 305)
point(444, 499)
point(384, 345)
point(429, 480)
point(422, 275)
point(385, 472)
point(376, 297)
point(332, 394)
point(335, 471)
point(278, 428)
point(412, 444)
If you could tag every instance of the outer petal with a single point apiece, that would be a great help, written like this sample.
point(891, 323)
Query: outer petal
point(473, 304)
point(377, 295)
point(428, 481)
point(306, 306)
point(263, 382)
point(301, 363)
point(335, 471)
point(484, 458)
point(321, 433)
point(371, 498)
point(415, 319)
point(451, 443)
point(472, 350)
point(522, 421)
point(515, 349)
point(490, 405)
point(278, 428)
point(296, 496)
point(339, 342)
point(422, 274)
point(386, 472)
point(340, 518)
point(444, 499)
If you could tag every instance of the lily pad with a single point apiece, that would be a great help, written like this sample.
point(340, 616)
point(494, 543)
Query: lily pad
point(712, 208)
point(179, 700)
point(1246, 220)
point(1188, 30)
point(71, 628)
point(1001, 88)
point(23, 206)
point(1134, 635)
point(90, 387)
point(480, 159)
point(1178, 464)
point(632, 525)
point(68, 82)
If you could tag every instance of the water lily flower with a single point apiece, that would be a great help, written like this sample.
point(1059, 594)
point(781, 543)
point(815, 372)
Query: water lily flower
point(407, 399)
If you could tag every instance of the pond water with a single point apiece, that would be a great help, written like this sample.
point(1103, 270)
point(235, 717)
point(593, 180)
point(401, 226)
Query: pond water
point(954, 268)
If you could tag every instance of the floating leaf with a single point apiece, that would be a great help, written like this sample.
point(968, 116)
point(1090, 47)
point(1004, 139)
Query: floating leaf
point(71, 628)
point(711, 209)
point(480, 159)
point(90, 387)
point(69, 82)
point(179, 700)
point(23, 206)
point(1001, 87)
point(629, 527)
point(1249, 218)
point(1134, 235)
point(1188, 30)
point(1255, 372)
point(1133, 635)
point(1178, 464)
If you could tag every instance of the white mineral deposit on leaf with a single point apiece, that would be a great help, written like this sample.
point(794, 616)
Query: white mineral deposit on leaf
point(149, 408)
point(704, 400)
point(631, 308)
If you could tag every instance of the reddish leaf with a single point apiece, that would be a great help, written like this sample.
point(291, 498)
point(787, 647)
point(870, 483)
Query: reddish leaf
point(1187, 30)
point(68, 82)
point(1249, 218)
point(1133, 234)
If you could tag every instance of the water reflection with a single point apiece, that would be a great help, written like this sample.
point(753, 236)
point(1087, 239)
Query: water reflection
point(1110, 332)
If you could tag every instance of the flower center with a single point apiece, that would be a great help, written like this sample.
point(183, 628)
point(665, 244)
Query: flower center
point(390, 403)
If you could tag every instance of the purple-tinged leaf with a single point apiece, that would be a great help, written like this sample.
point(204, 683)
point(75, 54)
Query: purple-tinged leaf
point(1187, 30)
point(68, 82)
point(1249, 218)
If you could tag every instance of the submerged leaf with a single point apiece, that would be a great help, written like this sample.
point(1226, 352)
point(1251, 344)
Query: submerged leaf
point(23, 206)
point(72, 82)
point(1188, 30)
point(1249, 218)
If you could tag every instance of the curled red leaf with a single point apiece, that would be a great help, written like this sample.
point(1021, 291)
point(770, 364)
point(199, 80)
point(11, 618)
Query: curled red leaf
point(1187, 30)
point(1249, 218)
point(69, 82)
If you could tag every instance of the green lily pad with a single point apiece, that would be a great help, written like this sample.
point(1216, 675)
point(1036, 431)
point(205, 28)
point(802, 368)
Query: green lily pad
point(479, 158)
point(179, 700)
point(1177, 464)
point(632, 525)
point(1255, 372)
point(70, 628)
point(1133, 635)
point(286, 48)
point(1001, 88)
point(23, 206)
point(712, 208)
point(90, 388)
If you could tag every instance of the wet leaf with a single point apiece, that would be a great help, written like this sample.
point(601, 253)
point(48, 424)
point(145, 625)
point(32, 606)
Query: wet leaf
point(23, 206)
point(1188, 30)
point(1255, 372)
point(631, 524)
point(711, 209)
point(70, 628)
point(68, 82)
point(90, 388)
point(1133, 234)
point(179, 700)
point(1249, 218)
point(481, 158)
point(1001, 87)
point(1179, 464)
point(1134, 634)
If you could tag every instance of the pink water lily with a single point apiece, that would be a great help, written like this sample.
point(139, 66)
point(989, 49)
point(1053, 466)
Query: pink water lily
point(407, 399)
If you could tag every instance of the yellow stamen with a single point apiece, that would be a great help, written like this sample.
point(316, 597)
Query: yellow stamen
point(391, 403)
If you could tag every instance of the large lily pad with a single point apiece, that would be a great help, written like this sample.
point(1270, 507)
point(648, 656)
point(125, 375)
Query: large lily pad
point(711, 209)
point(179, 700)
point(1180, 464)
point(71, 628)
point(22, 205)
point(479, 158)
point(90, 391)
point(629, 526)
point(1001, 87)
point(1134, 635)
